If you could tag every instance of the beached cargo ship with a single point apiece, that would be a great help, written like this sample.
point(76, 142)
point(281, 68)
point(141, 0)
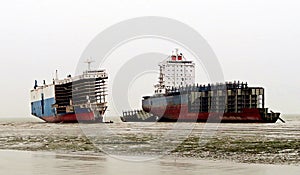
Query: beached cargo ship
point(178, 98)
point(74, 99)
point(236, 103)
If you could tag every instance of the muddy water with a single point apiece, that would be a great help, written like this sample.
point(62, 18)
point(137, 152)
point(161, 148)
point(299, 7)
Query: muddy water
point(150, 148)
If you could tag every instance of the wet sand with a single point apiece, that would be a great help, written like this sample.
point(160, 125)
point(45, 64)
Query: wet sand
point(50, 163)
point(277, 143)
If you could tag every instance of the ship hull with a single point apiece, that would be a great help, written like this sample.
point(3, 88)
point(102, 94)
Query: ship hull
point(72, 118)
point(181, 113)
point(47, 113)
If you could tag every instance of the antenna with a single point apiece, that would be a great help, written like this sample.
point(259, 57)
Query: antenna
point(176, 50)
point(56, 74)
point(89, 61)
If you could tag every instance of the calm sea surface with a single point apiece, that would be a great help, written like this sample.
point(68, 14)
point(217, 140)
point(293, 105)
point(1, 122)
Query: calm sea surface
point(53, 163)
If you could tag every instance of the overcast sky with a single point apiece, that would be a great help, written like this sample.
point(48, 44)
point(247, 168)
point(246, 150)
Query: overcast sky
point(255, 40)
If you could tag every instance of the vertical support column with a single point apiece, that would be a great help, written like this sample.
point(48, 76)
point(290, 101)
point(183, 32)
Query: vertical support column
point(263, 98)
point(42, 104)
point(236, 100)
point(250, 96)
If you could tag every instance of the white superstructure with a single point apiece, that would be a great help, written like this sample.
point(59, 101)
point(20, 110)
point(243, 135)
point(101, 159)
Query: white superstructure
point(175, 71)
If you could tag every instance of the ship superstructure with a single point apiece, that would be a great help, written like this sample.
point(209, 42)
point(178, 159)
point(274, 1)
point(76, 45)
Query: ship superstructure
point(175, 71)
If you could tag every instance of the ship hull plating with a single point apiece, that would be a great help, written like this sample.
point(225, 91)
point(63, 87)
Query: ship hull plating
point(71, 118)
point(180, 114)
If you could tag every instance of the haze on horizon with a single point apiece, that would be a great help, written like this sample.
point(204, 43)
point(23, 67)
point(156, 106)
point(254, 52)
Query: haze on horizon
point(255, 41)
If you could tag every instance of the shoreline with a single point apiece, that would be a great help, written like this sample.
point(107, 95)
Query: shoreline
point(216, 149)
point(168, 158)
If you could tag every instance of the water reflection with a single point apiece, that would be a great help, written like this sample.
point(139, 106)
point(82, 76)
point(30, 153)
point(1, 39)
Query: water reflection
point(19, 162)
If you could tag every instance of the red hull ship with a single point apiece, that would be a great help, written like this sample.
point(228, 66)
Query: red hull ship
point(177, 98)
point(212, 103)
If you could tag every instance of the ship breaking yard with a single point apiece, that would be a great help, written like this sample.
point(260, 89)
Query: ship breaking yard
point(277, 143)
point(261, 138)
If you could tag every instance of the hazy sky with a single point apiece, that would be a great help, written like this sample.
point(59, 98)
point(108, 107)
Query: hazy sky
point(255, 41)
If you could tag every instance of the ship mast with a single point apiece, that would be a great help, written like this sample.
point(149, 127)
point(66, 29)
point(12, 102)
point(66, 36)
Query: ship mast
point(89, 61)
